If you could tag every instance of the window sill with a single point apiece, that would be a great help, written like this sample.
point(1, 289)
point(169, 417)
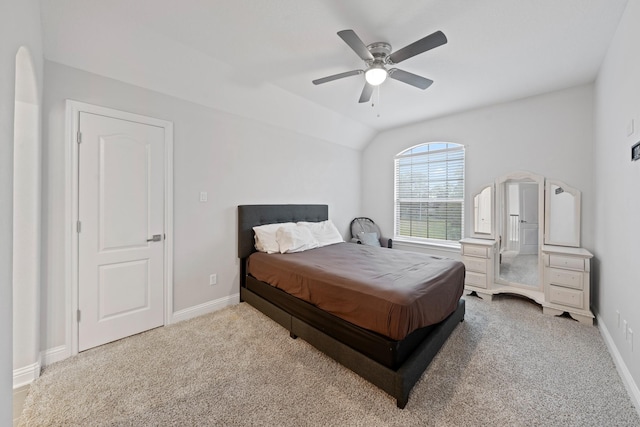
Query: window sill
point(448, 247)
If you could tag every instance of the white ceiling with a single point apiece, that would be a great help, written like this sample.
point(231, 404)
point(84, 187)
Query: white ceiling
point(498, 50)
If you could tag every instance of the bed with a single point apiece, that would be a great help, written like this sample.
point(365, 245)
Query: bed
point(393, 365)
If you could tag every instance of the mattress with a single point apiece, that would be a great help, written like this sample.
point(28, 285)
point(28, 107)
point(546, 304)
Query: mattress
point(387, 291)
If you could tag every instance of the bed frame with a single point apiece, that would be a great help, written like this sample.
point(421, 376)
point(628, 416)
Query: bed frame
point(393, 366)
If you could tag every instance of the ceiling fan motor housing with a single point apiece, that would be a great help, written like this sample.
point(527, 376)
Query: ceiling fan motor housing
point(380, 51)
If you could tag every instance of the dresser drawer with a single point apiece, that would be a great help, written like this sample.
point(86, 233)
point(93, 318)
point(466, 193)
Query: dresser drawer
point(565, 278)
point(479, 265)
point(565, 296)
point(477, 251)
point(560, 261)
point(475, 279)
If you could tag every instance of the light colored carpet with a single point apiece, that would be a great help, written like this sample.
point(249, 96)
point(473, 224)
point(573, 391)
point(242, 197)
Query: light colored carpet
point(505, 365)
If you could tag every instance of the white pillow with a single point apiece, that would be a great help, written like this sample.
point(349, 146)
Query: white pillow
point(266, 237)
point(369, 239)
point(325, 232)
point(295, 239)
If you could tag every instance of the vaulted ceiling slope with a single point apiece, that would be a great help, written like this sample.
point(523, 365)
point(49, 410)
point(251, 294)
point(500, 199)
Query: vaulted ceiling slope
point(257, 58)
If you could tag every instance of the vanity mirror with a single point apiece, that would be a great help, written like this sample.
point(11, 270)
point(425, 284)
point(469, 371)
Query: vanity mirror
point(562, 215)
point(483, 221)
point(520, 203)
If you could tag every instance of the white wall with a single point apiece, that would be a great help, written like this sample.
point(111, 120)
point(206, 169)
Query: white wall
point(549, 134)
point(236, 160)
point(19, 26)
point(26, 229)
point(179, 70)
point(616, 178)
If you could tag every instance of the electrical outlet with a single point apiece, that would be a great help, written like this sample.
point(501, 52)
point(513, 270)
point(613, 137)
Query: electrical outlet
point(203, 196)
point(213, 279)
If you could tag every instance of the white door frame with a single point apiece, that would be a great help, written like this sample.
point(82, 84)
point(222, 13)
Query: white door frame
point(73, 109)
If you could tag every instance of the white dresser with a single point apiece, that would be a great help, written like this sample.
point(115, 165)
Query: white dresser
point(477, 256)
point(525, 240)
point(567, 282)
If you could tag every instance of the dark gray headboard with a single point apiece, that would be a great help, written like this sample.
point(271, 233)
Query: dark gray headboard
point(251, 215)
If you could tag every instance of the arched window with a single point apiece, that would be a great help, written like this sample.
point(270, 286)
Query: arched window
point(429, 193)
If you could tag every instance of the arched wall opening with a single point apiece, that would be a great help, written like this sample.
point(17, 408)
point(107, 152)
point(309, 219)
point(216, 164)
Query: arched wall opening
point(26, 222)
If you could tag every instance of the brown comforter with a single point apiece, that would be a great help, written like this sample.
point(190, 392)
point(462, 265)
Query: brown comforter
point(387, 291)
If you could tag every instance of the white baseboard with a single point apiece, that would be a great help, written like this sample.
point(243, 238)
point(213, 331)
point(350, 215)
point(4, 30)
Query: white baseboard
point(625, 374)
point(205, 308)
point(55, 354)
point(26, 375)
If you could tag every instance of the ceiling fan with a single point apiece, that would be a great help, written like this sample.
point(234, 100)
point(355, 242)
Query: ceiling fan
point(378, 55)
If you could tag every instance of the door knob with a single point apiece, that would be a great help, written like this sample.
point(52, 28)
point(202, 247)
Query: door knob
point(155, 238)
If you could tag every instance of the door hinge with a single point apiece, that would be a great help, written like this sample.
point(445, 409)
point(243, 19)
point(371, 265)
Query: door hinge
point(78, 226)
point(78, 315)
point(79, 137)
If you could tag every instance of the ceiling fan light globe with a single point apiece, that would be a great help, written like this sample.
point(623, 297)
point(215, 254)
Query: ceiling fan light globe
point(375, 76)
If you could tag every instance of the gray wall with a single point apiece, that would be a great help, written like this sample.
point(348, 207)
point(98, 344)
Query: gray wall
point(617, 213)
point(550, 135)
point(236, 160)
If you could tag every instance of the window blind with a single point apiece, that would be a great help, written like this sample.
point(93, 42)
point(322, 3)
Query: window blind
point(429, 192)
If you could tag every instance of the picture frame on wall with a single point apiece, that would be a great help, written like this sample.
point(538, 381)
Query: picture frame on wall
point(635, 152)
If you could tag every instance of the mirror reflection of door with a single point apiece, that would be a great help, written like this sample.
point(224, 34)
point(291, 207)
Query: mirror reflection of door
point(482, 206)
point(528, 218)
point(519, 251)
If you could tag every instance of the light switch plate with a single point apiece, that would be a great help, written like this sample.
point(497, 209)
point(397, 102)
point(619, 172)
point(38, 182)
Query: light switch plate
point(203, 196)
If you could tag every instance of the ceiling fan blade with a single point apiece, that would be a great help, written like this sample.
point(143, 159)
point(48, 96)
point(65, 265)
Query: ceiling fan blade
point(337, 76)
point(410, 78)
point(424, 44)
point(367, 91)
point(354, 42)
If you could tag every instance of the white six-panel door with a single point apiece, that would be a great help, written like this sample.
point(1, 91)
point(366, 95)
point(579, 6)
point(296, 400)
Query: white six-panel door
point(120, 209)
point(528, 218)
